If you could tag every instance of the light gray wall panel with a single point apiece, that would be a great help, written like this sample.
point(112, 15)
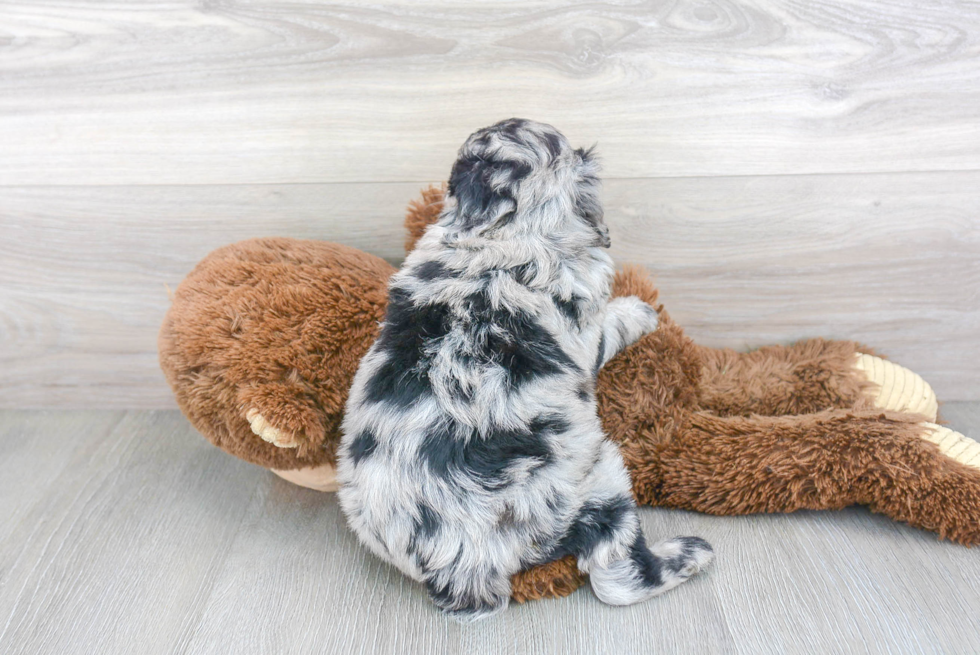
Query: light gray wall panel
point(891, 260)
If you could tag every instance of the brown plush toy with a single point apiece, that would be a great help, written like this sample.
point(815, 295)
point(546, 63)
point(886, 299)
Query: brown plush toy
point(264, 337)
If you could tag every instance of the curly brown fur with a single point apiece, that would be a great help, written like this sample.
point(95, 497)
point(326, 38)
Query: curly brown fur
point(806, 377)
point(555, 579)
point(827, 460)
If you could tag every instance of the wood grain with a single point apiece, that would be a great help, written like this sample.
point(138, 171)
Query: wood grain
point(891, 260)
point(142, 537)
point(221, 92)
point(36, 450)
point(118, 552)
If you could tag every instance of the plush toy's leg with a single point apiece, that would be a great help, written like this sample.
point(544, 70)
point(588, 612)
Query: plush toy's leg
point(896, 464)
point(318, 478)
point(954, 445)
point(809, 376)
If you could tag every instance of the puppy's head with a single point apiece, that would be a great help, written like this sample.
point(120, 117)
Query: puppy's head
point(520, 177)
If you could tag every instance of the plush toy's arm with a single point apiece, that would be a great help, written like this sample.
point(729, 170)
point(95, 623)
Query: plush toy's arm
point(809, 376)
point(806, 377)
point(897, 465)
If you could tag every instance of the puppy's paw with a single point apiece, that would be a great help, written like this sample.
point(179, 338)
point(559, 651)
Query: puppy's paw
point(684, 556)
point(635, 317)
point(267, 432)
point(648, 318)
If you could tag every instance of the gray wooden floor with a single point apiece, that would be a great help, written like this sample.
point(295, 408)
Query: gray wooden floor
point(124, 532)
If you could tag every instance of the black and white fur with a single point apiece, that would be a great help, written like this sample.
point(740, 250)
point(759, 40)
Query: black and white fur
point(472, 449)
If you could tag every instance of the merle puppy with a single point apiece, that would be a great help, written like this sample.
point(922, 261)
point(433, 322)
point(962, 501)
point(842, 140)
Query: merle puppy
point(472, 448)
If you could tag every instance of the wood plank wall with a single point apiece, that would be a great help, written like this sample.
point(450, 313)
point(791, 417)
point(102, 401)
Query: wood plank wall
point(787, 169)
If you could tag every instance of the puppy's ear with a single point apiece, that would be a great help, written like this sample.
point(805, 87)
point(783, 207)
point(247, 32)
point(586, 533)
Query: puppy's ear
point(485, 187)
point(587, 203)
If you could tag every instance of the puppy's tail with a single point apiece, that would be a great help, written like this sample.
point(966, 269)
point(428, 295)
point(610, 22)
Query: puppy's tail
point(648, 572)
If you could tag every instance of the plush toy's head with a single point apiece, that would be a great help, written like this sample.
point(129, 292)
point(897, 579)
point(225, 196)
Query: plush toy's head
point(273, 328)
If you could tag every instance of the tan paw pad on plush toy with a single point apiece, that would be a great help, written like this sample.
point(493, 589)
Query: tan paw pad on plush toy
point(899, 389)
point(954, 445)
point(273, 435)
